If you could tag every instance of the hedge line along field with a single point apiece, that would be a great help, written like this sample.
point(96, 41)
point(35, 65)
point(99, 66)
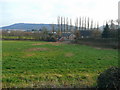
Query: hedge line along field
point(28, 64)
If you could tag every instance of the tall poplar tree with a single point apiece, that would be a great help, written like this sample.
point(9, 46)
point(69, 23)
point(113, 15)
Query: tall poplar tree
point(64, 25)
point(88, 23)
point(80, 23)
point(61, 26)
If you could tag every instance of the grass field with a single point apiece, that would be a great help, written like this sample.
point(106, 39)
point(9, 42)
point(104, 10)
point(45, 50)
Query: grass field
point(45, 64)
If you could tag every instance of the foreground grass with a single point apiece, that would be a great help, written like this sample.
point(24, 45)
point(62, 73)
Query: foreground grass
point(43, 64)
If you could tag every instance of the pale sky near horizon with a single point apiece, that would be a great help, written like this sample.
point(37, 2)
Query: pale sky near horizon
point(47, 11)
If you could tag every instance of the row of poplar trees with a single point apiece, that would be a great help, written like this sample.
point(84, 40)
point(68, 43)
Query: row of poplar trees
point(82, 23)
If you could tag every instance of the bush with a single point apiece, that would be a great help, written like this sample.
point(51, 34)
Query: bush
point(53, 39)
point(109, 78)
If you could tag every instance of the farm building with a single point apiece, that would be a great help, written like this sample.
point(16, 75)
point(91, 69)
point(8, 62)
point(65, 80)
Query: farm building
point(85, 33)
point(67, 36)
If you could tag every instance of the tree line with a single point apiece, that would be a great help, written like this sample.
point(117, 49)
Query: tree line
point(82, 23)
point(65, 25)
point(85, 23)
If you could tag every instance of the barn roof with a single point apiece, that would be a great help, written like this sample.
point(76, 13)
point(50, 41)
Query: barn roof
point(85, 32)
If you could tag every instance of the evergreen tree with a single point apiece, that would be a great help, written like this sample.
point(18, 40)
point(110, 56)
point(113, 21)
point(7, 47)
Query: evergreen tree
point(105, 33)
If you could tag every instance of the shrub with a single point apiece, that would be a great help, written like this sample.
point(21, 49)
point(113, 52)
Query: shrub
point(109, 78)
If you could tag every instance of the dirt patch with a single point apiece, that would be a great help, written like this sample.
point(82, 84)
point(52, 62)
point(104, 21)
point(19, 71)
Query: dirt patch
point(18, 48)
point(55, 43)
point(29, 55)
point(69, 54)
point(37, 49)
point(52, 43)
point(103, 48)
point(39, 44)
point(97, 48)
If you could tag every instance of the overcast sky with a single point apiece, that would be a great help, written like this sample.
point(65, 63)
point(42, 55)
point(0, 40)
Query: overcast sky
point(47, 11)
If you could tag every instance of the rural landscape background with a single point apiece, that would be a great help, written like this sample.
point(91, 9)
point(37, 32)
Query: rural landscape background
point(71, 51)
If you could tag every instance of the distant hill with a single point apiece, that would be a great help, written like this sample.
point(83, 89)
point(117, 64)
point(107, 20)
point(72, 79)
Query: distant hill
point(28, 26)
point(102, 27)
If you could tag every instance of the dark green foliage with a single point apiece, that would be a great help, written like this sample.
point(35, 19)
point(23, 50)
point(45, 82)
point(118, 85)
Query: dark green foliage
point(113, 33)
point(53, 39)
point(109, 78)
point(105, 33)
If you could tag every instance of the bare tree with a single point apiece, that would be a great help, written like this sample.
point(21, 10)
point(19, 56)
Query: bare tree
point(61, 25)
point(91, 25)
point(70, 25)
point(58, 21)
point(64, 25)
point(118, 22)
point(67, 24)
point(80, 23)
point(88, 23)
point(77, 23)
point(77, 32)
point(97, 26)
point(96, 33)
point(85, 23)
point(112, 25)
point(53, 28)
point(75, 26)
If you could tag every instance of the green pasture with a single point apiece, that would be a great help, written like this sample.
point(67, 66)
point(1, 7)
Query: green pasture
point(39, 64)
